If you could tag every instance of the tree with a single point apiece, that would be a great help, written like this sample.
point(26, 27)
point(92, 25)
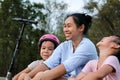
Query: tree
point(106, 18)
point(55, 12)
point(9, 32)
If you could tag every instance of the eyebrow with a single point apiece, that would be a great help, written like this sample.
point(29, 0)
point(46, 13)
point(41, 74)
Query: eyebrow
point(68, 24)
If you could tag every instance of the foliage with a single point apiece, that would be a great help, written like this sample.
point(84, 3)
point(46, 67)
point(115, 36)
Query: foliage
point(10, 30)
point(55, 12)
point(106, 18)
point(9, 33)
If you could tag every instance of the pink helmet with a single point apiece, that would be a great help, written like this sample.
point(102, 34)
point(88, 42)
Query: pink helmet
point(50, 37)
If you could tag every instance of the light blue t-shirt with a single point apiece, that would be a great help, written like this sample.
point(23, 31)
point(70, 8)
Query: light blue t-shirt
point(73, 61)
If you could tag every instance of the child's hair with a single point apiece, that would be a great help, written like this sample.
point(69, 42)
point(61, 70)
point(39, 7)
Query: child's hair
point(118, 42)
point(80, 19)
point(48, 37)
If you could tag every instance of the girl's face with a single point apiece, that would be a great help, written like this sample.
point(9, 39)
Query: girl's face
point(107, 42)
point(47, 49)
point(70, 29)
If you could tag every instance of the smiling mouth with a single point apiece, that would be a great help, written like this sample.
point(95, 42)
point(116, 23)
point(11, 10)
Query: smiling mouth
point(67, 34)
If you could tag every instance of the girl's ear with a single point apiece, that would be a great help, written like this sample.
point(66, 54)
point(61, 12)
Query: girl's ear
point(116, 46)
point(119, 46)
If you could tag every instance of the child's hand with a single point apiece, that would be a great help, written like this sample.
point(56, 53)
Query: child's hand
point(22, 76)
point(15, 77)
point(27, 77)
point(39, 76)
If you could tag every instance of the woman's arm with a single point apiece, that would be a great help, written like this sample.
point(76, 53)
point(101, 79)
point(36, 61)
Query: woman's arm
point(80, 76)
point(51, 74)
point(100, 74)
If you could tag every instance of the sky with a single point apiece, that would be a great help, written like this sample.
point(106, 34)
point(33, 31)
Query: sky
point(73, 5)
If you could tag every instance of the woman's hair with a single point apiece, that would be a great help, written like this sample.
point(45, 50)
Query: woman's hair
point(80, 19)
point(117, 40)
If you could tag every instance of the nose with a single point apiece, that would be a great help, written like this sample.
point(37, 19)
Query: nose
point(46, 50)
point(65, 29)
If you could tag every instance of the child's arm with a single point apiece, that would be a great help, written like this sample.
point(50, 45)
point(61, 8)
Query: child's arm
point(39, 68)
point(100, 74)
point(31, 74)
point(26, 70)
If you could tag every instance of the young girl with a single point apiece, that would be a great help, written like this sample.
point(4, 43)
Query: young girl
point(107, 67)
point(46, 45)
point(70, 56)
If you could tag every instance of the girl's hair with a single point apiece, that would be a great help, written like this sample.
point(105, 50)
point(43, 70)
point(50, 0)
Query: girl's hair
point(80, 19)
point(118, 42)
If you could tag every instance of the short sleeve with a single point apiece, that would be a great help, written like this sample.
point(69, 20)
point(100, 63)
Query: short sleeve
point(90, 66)
point(112, 61)
point(34, 64)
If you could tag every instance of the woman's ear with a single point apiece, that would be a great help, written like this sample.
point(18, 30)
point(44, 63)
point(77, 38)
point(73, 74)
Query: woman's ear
point(81, 28)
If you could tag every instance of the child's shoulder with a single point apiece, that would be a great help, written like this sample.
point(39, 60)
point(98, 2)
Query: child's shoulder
point(112, 57)
point(112, 60)
point(92, 61)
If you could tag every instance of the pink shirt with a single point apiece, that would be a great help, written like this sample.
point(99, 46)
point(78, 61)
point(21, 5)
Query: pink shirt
point(91, 66)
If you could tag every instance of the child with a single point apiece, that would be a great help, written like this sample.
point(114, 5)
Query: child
point(107, 67)
point(46, 45)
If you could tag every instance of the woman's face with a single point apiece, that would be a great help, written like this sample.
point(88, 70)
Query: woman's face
point(47, 49)
point(70, 29)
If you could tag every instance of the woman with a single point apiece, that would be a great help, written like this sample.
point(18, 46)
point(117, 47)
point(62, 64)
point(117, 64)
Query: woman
point(70, 56)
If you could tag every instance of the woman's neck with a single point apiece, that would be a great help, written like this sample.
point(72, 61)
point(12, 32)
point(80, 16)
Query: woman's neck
point(76, 42)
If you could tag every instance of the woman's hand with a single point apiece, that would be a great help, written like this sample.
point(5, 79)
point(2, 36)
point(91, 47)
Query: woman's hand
point(72, 79)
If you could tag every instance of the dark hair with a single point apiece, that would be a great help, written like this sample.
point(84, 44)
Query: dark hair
point(117, 39)
point(118, 42)
point(80, 19)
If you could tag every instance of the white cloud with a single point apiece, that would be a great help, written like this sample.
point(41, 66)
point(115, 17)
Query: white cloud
point(75, 5)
